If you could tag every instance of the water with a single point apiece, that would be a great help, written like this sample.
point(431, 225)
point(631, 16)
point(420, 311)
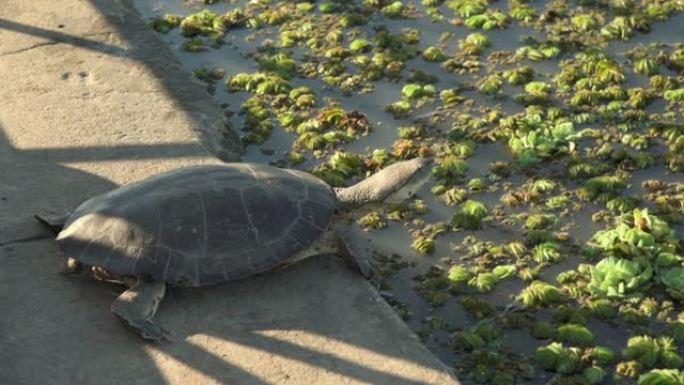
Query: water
point(396, 238)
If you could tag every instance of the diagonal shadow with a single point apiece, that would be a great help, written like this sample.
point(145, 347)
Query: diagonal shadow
point(120, 152)
point(56, 37)
point(212, 129)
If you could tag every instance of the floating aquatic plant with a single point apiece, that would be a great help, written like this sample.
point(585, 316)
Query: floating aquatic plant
point(399, 109)
point(281, 63)
point(539, 293)
point(463, 221)
point(467, 8)
point(475, 208)
point(450, 170)
point(339, 167)
point(476, 308)
point(454, 196)
point(424, 244)
point(468, 340)
point(518, 76)
point(434, 54)
point(673, 280)
point(593, 375)
point(491, 85)
point(539, 52)
point(538, 221)
point(393, 10)
point(547, 252)
point(650, 352)
point(488, 21)
point(459, 274)
point(585, 22)
point(529, 148)
point(536, 92)
point(415, 91)
point(166, 23)
point(193, 45)
point(209, 75)
point(617, 278)
point(484, 282)
point(372, 220)
point(329, 7)
point(603, 187)
point(662, 377)
point(646, 66)
point(259, 83)
point(575, 334)
point(674, 95)
point(205, 23)
point(523, 12)
point(558, 358)
point(542, 330)
point(474, 43)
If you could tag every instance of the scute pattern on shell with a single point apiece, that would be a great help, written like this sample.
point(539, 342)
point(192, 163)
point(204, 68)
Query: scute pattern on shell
point(201, 225)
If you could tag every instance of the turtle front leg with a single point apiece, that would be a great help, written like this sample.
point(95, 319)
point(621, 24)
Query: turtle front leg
point(137, 305)
point(357, 257)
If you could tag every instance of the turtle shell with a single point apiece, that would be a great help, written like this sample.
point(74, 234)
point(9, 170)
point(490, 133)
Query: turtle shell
point(201, 225)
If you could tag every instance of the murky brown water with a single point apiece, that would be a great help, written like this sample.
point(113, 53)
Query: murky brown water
point(395, 239)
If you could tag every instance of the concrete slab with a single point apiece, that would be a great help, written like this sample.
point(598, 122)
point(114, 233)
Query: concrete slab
point(90, 99)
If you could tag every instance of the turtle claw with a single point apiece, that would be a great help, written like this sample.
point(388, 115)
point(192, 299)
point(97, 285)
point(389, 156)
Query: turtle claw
point(72, 267)
point(148, 330)
point(364, 268)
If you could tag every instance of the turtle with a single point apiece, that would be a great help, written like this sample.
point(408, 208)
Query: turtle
point(207, 224)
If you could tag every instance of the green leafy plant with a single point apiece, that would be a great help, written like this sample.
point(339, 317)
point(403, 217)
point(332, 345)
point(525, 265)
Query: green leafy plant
point(558, 358)
point(618, 278)
point(475, 208)
point(673, 280)
point(575, 334)
point(474, 43)
point(450, 169)
point(415, 91)
point(662, 377)
point(467, 8)
point(539, 293)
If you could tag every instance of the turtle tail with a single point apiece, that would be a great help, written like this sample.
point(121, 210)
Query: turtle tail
point(51, 221)
point(380, 185)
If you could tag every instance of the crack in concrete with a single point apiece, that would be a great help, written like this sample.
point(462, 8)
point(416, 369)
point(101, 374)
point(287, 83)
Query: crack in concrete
point(29, 48)
point(55, 42)
point(26, 239)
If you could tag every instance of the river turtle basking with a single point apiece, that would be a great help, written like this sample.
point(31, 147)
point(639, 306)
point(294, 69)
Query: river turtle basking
point(208, 224)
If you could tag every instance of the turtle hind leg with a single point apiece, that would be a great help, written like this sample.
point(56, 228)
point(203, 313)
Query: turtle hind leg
point(137, 305)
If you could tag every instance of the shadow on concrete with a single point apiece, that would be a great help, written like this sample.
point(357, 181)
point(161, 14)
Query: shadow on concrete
point(56, 37)
point(144, 47)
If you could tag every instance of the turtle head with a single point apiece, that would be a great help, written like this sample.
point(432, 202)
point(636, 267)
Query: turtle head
point(404, 176)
